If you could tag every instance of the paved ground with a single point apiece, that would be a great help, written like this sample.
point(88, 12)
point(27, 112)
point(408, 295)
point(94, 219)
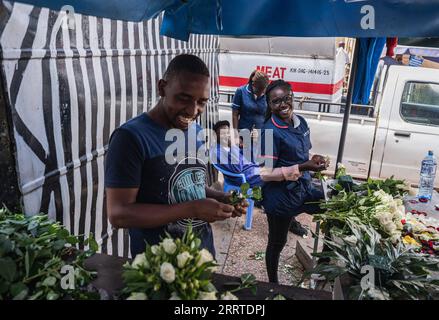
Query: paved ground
point(240, 251)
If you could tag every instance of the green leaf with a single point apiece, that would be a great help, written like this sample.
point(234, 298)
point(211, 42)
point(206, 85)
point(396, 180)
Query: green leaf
point(92, 243)
point(7, 231)
point(62, 233)
point(49, 281)
point(72, 240)
point(5, 245)
point(52, 295)
point(59, 244)
point(8, 269)
point(244, 188)
point(257, 193)
point(32, 225)
point(19, 291)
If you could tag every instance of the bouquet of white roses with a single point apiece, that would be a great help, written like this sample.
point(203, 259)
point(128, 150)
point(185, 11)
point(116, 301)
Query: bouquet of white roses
point(174, 269)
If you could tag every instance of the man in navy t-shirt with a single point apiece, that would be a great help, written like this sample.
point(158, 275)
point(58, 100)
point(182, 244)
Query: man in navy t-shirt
point(155, 178)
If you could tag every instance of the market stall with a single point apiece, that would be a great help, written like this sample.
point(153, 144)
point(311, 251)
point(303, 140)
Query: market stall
point(380, 241)
point(109, 278)
point(365, 228)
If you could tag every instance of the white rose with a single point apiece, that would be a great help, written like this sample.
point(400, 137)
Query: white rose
point(140, 260)
point(383, 218)
point(167, 272)
point(169, 246)
point(396, 237)
point(399, 225)
point(137, 296)
point(228, 296)
point(183, 258)
point(155, 249)
point(202, 295)
point(390, 227)
point(174, 296)
point(352, 240)
point(213, 269)
point(205, 256)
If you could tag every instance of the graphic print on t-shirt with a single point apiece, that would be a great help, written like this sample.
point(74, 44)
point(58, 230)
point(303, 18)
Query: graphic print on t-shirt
point(187, 183)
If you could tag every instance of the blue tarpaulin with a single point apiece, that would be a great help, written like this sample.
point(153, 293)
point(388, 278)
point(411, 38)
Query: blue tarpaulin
point(369, 56)
point(299, 18)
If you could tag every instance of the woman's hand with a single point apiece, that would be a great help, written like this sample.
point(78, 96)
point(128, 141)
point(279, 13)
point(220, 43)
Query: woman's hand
point(316, 163)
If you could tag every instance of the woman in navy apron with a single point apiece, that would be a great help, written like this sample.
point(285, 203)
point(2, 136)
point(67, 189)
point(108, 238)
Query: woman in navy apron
point(285, 144)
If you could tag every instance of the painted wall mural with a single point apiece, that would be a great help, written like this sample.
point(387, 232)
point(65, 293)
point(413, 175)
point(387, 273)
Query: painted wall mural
point(68, 86)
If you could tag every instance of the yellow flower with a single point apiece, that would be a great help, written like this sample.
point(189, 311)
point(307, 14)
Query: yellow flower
point(410, 241)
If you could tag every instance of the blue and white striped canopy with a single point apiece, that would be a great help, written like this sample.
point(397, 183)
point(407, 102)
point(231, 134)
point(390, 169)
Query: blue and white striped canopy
point(299, 18)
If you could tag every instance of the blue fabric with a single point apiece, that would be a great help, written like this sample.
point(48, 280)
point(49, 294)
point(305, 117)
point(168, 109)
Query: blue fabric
point(251, 110)
point(234, 161)
point(368, 60)
point(297, 18)
point(290, 146)
point(136, 158)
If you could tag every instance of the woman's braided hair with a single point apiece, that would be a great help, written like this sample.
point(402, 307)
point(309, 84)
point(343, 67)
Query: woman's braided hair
point(274, 84)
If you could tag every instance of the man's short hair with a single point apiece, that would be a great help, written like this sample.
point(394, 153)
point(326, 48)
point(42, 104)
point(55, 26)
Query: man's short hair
point(186, 63)
point(220, 124)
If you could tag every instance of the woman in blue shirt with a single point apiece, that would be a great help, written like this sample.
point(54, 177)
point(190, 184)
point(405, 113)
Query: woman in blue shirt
point(249, 103)
point(283, 200)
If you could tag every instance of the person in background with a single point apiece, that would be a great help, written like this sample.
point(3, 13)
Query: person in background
point(231, 158)
point(146, 192)
point(286, 198)
point(249, 104)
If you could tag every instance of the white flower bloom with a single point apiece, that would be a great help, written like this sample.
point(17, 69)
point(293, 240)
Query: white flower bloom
point(183, 258)
point(213, 269)
point(169, 246)
point(167, 272)
point(205, 256)
point(140, 260)
point(228, 296)
point(202, 295)
point(137, 296)
point(155, 249)
point(383, 218)
point(396, 237)
point(399, 225)
point(352, 240)
point(390, 227)
point(174, 296)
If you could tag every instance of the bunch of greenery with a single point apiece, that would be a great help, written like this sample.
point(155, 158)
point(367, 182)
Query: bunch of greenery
point(399, 272)
point(396, 188)
point(33, 252)
point(176, 269)
point(246, 192)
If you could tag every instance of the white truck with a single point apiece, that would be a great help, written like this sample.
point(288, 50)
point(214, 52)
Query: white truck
point(394, 138)
point(314, 67)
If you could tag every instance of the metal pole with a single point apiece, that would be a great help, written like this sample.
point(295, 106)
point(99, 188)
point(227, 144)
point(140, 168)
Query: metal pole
point(347, 110)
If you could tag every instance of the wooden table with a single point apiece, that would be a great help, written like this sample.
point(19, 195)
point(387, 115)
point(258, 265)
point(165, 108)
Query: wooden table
point(109, 270)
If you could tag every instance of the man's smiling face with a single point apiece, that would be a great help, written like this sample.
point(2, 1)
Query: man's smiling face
point(184, 97)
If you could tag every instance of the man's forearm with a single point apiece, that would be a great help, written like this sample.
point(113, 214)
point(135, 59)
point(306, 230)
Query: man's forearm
point(142, 215)
point(215, 194)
